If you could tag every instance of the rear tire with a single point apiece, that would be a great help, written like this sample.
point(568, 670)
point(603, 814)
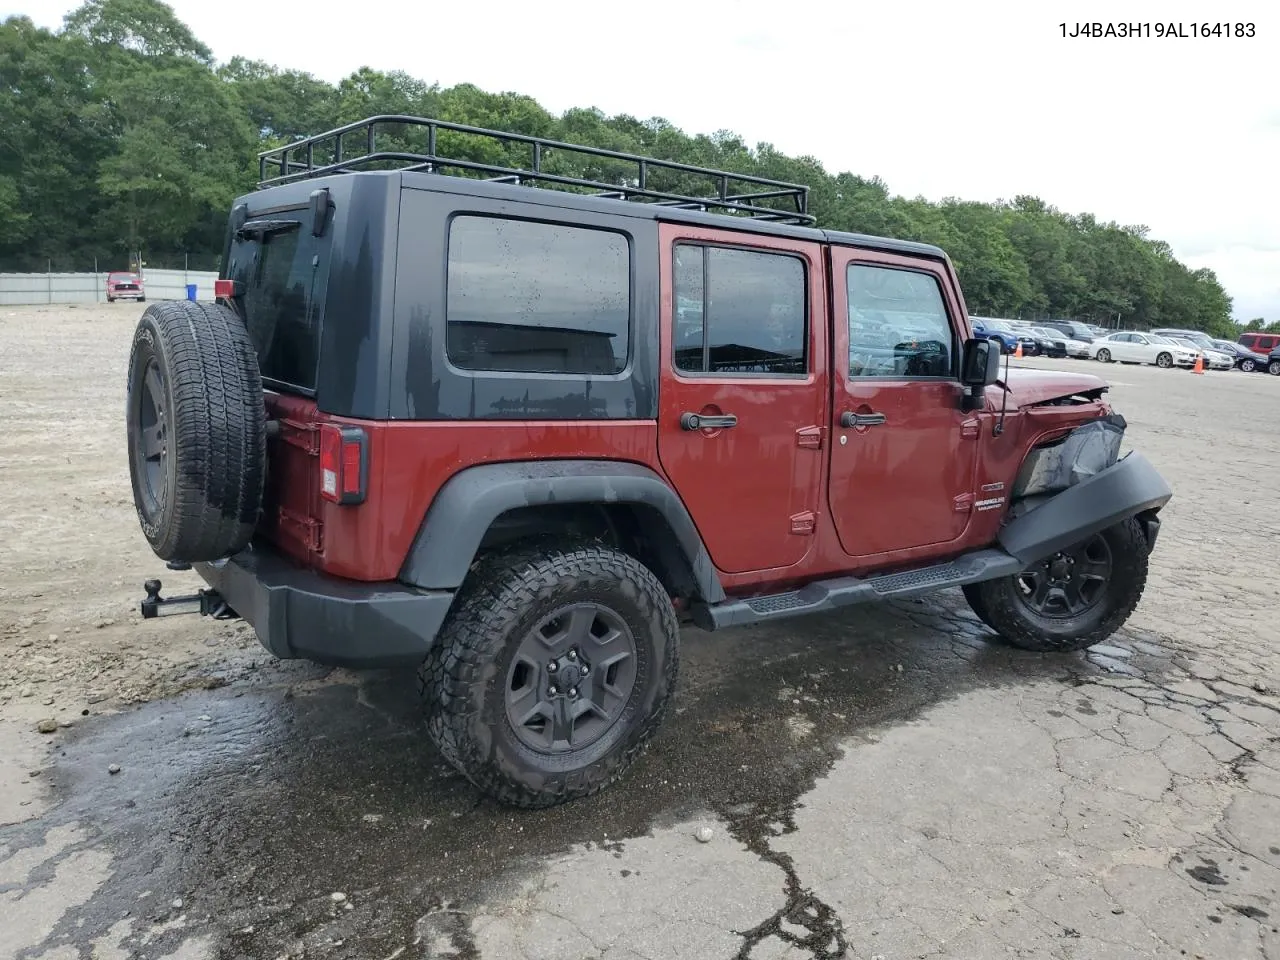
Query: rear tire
point(1273, 368)
point(494, 701)
point(1104, 355)
point(196, 428)
point(1248, 366)
point(1092, 605)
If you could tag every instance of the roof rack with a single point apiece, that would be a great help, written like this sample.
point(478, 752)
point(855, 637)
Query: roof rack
point(327, 153)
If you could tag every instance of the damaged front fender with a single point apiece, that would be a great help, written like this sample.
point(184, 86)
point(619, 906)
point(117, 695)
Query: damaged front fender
point(1073, 488)
point(1083, 453)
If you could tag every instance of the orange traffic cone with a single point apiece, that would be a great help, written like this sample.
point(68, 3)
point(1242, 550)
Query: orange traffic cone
point(1199, 367)
point(1017, 351)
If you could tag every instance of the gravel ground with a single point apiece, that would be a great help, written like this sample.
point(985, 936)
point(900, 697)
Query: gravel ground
point(888, 782)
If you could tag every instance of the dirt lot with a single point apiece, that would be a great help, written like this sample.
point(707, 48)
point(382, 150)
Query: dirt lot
point(72, 572)
point(889, 784)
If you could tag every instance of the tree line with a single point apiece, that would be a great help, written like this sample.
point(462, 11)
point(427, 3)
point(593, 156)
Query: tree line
point(122, 133)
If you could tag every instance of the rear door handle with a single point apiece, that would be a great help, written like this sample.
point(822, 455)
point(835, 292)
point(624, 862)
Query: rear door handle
point(851, 419)
point(704, 421)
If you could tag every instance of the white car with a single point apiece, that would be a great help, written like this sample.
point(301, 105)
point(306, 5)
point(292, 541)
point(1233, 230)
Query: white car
point(1075, 348)
point(1131, 347)
point(1213, 359)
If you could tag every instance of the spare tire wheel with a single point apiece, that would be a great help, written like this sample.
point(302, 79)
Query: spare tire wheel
point(196, 428)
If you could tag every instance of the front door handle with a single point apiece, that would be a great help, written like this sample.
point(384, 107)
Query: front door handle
point(851, 419)
point(706, 421)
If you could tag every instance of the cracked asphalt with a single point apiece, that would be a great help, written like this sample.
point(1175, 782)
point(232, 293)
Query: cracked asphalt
point(886, 782)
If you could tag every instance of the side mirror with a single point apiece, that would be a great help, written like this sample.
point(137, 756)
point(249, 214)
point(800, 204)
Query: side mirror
point(979, 368)
point(979, 364)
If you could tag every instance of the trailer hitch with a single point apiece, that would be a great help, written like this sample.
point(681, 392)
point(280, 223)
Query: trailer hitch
point(207, 603)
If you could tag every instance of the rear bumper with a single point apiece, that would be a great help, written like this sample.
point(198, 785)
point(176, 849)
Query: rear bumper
point(300, 614)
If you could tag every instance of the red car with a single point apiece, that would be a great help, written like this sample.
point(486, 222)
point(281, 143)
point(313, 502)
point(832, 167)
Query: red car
point(1262, 343)
point(509, 435)
point(123, 285)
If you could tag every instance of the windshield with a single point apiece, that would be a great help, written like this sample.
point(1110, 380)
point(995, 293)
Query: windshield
point(997, 325)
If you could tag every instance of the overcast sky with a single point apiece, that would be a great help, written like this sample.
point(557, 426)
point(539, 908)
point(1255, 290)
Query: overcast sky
point(980, 101)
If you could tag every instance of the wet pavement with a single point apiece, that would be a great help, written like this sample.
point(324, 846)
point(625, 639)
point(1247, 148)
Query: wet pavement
point(254, 803)
point(305, 814)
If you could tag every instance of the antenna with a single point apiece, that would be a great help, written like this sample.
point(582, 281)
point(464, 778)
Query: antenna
point(1004, 399)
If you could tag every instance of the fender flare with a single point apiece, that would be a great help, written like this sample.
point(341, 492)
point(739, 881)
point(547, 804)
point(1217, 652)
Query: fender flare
point(1129, 487)
point(470, 500)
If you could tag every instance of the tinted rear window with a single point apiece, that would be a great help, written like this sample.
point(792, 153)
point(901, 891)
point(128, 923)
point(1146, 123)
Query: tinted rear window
point(739, 311)
point(534, 297)
point(284, 276)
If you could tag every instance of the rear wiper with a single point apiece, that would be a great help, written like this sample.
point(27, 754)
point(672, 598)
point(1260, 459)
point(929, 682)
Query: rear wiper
point(261, 228)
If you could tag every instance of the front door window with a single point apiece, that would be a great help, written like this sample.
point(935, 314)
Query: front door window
point(898, 324)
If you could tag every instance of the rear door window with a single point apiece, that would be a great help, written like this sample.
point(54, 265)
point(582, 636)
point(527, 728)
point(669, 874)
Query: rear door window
point(739, 312)
point(284, 272)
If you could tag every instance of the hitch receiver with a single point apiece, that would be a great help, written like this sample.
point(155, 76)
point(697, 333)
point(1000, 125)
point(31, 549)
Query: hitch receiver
point(207, 603)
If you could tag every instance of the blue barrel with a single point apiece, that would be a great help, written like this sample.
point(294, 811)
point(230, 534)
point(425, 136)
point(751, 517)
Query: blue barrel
point(191, 291)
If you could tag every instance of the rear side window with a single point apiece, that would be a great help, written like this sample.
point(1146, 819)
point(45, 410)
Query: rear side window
point(739, 312)
point(284, 275)
point(533, 297)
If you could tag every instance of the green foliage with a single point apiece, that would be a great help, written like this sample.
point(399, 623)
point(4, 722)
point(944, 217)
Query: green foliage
point(121, 133)
point(145, 27)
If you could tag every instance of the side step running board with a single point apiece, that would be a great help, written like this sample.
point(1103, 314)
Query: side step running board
point(846, 591)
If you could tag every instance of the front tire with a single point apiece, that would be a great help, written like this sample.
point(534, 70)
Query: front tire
point(1273, 368)
point(1073, 600)
point(1164, 360)
point(552, 673)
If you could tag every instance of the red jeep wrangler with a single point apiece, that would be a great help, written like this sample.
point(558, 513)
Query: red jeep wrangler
point(507, 425)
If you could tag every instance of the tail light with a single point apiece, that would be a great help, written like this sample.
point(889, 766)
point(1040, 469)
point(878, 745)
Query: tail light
point(224, 289)
point(344, 464)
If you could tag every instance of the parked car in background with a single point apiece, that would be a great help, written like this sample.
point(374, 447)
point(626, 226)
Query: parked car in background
point(1081, 332)
point(1273, 362)
point(1127, 346)
point(1245, 359)
point(1213, 359)
point(124, 285)
point(1003, 333)
point(1198, 338)
point(1048, 344)
point(1262, 343)
point(1064, 345)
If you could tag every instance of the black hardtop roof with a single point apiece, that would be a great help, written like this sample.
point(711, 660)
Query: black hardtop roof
point(745, 202)
point(295, 195)
point(648, 211)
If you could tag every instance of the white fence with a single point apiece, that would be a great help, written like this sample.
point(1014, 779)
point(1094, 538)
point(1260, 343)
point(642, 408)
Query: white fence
point(23, 288)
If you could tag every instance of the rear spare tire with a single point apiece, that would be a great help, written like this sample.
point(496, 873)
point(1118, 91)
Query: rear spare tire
point(196, 429)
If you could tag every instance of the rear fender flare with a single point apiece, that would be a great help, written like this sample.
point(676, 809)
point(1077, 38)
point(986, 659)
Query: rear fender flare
point(469, 502)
